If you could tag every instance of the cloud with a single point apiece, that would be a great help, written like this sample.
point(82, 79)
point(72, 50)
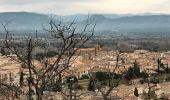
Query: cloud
point(162, 7)
point(27, 2)
point(85, 6)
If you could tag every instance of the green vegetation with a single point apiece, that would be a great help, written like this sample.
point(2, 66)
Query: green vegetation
point(41, 56)
point(133, 72)
point(91, 86)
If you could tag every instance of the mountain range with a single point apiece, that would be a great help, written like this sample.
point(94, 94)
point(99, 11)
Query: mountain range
point(27, 21)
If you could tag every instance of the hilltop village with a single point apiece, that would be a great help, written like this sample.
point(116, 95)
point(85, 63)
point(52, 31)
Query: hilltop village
point(91, 60)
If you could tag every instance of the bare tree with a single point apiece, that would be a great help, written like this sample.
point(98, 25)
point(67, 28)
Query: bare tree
point(71, 40)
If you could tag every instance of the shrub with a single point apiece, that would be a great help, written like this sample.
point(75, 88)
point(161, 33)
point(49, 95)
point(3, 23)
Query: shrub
point(142, 81)
point(154, 80)
point(163, 97)
point(79, 87)
point(144, 75)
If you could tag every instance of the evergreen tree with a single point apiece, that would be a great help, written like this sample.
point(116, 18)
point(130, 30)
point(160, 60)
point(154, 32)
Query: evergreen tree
point(21, 78)
point(159, 63)
point(91, 86)
point(167, 69)
point(133, 72)
point(136, 69)
point(136, 92)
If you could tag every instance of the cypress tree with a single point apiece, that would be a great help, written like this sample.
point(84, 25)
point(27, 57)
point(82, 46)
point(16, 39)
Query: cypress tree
point(167, 69)
point(159, 63)
point(136, 92)
point(91, 86)
point(21, 78)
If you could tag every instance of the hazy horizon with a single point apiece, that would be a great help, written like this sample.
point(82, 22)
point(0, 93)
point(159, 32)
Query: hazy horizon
point(87, 13)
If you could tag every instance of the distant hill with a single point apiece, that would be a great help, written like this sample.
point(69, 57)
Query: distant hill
point(23, 20)
point(26, 21)
point(131, 23)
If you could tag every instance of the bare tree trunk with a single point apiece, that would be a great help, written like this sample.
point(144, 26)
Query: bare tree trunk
point(30, 79)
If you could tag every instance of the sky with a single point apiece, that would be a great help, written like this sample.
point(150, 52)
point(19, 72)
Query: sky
point(68, 7)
